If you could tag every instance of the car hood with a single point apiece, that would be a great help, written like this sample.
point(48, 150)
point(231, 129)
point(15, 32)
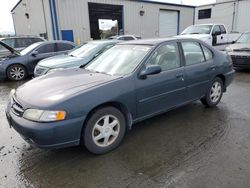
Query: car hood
point(57, 87)
point(195, 36)
point(12, 50)
point(63, 61)
point(240, 47)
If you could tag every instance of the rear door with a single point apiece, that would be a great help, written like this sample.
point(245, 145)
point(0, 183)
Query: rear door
point(199, 68)
point(165, 90)
point(219, 36)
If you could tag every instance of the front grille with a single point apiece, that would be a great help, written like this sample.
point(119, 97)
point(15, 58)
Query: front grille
point(241, 60)
point(39, 70)
point(16, 107)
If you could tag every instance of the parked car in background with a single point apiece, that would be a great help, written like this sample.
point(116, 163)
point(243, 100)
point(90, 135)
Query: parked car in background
point(76, 58)
point(240, 51)
point(212, 34)
point(125, 37)
point(128, 83)
point(19, 42)
point(19, 65)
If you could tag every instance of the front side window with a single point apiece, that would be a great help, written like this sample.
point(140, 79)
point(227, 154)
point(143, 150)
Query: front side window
point(216, 29)
point(119, 60)
point(193, 53)
point(167, 56)
point(223, 29)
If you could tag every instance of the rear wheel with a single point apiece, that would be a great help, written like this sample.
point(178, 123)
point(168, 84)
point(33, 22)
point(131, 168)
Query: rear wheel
point(16, 72)
point(214, 94)
point(104, 130)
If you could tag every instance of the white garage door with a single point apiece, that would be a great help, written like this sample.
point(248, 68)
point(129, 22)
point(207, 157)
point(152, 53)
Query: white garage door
point(168, 25)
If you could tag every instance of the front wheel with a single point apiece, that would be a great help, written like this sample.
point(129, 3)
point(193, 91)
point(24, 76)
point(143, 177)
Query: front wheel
point(214, 94)
point(104, 130)
point(16, 72)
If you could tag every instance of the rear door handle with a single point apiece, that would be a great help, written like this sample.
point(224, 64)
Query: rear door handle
point(180, 75)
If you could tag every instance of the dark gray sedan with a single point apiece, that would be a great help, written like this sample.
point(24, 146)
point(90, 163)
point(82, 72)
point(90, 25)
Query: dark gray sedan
point(133, 81)
point(18, 65)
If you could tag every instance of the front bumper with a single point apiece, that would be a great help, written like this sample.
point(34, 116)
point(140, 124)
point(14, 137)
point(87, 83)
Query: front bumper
point(47, 135)
point(241, 61)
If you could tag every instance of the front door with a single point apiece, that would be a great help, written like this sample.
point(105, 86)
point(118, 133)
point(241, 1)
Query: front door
point(165, 90)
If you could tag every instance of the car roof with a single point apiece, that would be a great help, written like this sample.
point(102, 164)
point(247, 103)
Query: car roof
point(17, 37)
point(104, 41)
point(151, 42)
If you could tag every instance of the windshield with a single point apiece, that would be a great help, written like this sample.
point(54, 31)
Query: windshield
point(244, 38)
point(197, 29)
point(29, 48)
point(86, 50)
point(119, 60)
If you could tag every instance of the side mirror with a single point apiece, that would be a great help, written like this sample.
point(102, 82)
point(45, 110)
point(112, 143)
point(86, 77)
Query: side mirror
point(217, 33)
point(150, 70)
point(34, 53)
point(234, 41)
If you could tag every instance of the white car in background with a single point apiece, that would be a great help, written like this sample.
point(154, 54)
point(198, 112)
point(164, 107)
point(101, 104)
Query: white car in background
point(212, 34)
point(125, 37)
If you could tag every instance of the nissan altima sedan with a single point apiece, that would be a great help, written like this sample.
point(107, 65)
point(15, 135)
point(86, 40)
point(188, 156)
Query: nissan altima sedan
point(94, 106)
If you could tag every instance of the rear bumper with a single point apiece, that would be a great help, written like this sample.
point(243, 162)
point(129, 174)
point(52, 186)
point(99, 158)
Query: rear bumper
point(229, 78)
point(47, 135)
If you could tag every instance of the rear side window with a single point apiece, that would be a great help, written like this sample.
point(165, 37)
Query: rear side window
point(63, 47)
point(46, 48)
point(167, 56)
point(193, 53)
point(121, 38)
point(208, 54)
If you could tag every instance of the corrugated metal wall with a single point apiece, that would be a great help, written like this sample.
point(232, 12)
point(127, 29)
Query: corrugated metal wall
point(223, 13)
point(74, 15)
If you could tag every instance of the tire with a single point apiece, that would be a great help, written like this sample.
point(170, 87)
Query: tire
point(99, 138)
point(214, 94)
point(16, 72)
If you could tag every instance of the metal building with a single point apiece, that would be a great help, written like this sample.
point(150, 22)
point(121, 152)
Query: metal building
point(232, 13)
point(77, 20)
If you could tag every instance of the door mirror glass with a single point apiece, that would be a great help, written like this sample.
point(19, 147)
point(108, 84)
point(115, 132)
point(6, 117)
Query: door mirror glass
point(34, 53)
point(150, 70)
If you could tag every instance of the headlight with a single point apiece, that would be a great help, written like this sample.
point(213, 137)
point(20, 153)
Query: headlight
point(44, 115)
point(228, 49)
point(53, 70)
point(12, 92)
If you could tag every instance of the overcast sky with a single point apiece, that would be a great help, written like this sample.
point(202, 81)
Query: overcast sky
point(6, 23)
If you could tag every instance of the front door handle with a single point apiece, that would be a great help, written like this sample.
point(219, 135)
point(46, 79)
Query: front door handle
point(212, 68)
